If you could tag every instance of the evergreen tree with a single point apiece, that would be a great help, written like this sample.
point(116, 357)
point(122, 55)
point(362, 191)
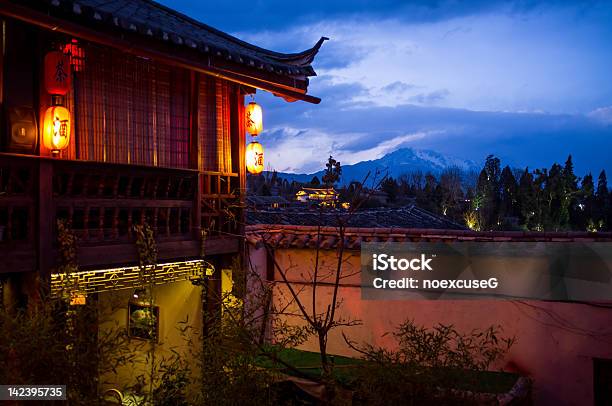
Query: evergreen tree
point(333, 170)
point(488, 191)
point(542, 208)
point(315, 181)
point(602, 201)
point(509, 190)
point(586, 203)
point(571, 192)
point(527, 199)
point(557, 199)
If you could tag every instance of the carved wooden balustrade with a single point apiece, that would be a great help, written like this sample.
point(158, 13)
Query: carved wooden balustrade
point(18, 180)
point(103, 202)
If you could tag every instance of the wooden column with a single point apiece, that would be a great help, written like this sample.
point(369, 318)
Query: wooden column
point(195, 155)
point(46, 217)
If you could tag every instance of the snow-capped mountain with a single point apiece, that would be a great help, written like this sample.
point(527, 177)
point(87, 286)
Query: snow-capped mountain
point(394, 164)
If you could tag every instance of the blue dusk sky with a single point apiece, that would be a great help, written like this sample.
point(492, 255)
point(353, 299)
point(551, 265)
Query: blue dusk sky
point(528, 81)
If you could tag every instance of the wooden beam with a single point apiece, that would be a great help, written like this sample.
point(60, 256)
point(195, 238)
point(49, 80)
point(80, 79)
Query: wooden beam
point(46, 215)
point(58, 25)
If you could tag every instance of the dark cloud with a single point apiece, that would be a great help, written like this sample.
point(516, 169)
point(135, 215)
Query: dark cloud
point(241, 15)
point(520, 139)
point(339, 55)
point(399, 87)
point(337, 94)
point(431, 97)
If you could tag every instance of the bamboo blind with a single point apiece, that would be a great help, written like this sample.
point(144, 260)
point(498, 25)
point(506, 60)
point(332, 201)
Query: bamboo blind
point(214, 124)
point(131, 110)
point(128, 109)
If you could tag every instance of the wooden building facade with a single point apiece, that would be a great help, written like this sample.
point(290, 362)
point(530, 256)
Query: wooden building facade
point(156, 104)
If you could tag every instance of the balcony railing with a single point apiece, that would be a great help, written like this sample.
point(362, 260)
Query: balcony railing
point(103, 202)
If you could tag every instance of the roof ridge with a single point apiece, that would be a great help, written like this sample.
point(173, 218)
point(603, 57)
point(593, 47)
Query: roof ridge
point(288, 57)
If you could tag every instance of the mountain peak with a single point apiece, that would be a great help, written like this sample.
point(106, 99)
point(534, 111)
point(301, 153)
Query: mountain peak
point(395, 163)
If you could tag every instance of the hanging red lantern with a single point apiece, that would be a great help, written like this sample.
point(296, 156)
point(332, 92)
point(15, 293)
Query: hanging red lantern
point(57, 73)
point(56, 134)
point(254, 158)
point(254, 118)
point(76, 55)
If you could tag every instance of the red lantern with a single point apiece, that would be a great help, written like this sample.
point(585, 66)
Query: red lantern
point(57, 73)
point(76, 54)
point(56, 131)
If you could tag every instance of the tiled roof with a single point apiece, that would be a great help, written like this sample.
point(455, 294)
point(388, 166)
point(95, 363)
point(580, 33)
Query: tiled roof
point(263, 200)
point(291, 236)
point(150, 20)
point(408, 217)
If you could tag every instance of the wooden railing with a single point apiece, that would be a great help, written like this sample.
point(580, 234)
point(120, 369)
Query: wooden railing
point(18, 181)
point(103, 202)
point(221, 204)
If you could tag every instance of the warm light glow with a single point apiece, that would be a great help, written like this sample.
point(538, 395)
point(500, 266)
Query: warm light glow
point(57, 73)
point(76, 54)
point(255, 158)
point(254, 118)
point(56, 128)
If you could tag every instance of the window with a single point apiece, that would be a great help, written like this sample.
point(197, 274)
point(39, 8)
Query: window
point(131, 110)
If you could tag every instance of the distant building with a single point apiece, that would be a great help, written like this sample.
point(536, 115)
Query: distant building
point(327, 196)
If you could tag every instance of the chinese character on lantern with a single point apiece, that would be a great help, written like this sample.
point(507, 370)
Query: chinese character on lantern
point(57, 73)
point(254, 119)
point(255, 158)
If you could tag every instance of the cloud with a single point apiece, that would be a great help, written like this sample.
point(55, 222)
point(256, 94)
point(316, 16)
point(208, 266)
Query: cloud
point(527, 58)
point(277, 14)
point(431, 97)
point(305, 150)
point(463, 78)
point(602, 114)
point(398, 87)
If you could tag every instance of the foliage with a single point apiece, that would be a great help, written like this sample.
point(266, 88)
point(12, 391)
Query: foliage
point(146, 245)
point(42, 331)
point(67, 250)
point(427, 365)
point(500, 197)
point(333, 170)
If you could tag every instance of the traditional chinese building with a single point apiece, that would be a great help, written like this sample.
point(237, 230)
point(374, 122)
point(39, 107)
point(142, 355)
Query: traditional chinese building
point(124, 113)
point(326, 196)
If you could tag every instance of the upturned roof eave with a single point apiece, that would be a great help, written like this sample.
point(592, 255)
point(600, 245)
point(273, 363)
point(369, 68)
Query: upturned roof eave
point(199, 57)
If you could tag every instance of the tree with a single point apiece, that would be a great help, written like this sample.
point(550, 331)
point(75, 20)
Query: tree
point(315, 181)
point(586, 202)
point(527, 199)
point(557, 199)
point(602, 203)
point(509, 191)
point(488, 189)
point(571, 191)
point(451, 199)
point(391, 188)
point(540, 179)
point(333, 170)
point(427, 197)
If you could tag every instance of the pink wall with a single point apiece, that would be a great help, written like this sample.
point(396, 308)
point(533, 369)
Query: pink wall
point(556, 342)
